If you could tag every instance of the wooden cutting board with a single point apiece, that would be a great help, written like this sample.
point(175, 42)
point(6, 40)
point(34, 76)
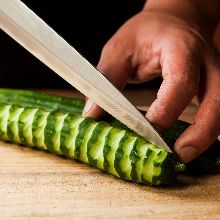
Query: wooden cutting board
point(39, 185)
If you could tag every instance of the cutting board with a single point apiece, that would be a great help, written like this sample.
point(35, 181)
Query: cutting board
point(39, 185)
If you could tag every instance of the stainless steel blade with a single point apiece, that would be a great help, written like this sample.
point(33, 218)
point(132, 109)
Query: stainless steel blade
point(18, 21)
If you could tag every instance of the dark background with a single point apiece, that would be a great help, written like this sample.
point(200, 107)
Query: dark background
point(86, 25)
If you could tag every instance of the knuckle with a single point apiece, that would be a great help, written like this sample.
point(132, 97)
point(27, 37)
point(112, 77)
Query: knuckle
point(108, 48)
point(162, 111)
point(186, 82)
point(113, 45)
point(165, 111)
point(116, 49)
point(188, 41)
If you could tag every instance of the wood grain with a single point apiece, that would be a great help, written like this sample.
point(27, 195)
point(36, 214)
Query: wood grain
point(38, 185)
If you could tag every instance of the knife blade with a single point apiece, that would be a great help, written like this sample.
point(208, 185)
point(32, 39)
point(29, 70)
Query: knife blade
point(30, 31)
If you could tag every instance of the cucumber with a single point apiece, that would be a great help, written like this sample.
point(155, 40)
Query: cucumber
point(115, 150)
point(53, 123)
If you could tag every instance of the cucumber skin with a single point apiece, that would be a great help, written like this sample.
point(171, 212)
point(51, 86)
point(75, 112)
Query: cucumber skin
point(166, 166)
point(32, 99)
point(206, 163)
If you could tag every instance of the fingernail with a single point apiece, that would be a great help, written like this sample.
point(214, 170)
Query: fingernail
point(88, 106)
point(188, 153)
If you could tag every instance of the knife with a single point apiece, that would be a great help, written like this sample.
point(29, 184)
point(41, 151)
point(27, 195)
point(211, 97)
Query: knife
point(24, 26)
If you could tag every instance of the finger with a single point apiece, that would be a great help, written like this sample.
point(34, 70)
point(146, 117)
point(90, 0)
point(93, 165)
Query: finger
point(180, 71)
point(115, 65)
point(201, 134)
point(205, 128)
point(92, 110)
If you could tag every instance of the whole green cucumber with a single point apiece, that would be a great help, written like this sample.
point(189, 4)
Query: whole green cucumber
point(117, 151)
point(209, 161)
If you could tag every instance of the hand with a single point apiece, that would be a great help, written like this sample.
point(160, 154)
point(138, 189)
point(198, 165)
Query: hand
point(154, 43)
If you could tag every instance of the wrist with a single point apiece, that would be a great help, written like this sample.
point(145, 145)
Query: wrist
point(201, 15)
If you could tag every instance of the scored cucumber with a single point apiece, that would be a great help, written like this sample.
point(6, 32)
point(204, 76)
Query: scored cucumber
point(115, 150)
point(44, 121)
